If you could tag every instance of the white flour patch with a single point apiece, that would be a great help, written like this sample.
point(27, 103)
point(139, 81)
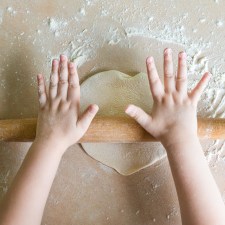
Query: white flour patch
point(82, 11)
point(215, 152)
point(219, 23)
point(56, 25)
point(1, 16)
point(11, 11)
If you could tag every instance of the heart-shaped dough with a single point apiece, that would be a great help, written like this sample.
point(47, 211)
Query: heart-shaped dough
point(112, 91)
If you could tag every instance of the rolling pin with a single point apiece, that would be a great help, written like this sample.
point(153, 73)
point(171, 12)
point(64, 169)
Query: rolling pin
point(106, 129)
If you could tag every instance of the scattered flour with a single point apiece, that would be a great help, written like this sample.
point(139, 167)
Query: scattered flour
point(11, 10)
point(215, 152)
point(219, 23)
point(56, 25)
point(173, 212)
point(82, 11)
point(82, 47)
point(202, 20)
point(1, 16)
point(4, 181)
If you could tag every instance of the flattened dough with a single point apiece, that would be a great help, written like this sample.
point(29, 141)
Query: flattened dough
point(113, 91)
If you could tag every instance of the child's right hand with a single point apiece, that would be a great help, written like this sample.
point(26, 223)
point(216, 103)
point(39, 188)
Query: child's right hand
point(174, 112)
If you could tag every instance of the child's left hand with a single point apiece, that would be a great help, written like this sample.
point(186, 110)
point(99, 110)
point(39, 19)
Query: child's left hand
point(58, 120)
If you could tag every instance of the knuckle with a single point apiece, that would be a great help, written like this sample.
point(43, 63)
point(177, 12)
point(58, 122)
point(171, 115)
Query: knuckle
point(169, 75)
point(41, 92)
point(157, 98)
point(53, 103)
point(63, 66)
point(181, 79)
point(53, 77)
point(74, 85)
point(63, 81)
point(43, 107)
point(154, 80)
point(52, 86)
point(40, 82)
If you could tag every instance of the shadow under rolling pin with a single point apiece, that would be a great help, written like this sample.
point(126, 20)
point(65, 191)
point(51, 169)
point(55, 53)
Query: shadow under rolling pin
point(106, 129)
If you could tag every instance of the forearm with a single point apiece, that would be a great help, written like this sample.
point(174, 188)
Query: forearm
point(26, 199)
point(199, 197)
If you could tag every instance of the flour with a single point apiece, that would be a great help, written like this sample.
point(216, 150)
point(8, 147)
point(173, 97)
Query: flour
point(1, 16)
point(11, 11)
point(4, 181)
point(173, 212)
point(84, 46)
point(82, 11)
point(202, 20)
point(119, 28)
point(56, 25)
point(215, 152)
point(123, 29)
point(219, 23)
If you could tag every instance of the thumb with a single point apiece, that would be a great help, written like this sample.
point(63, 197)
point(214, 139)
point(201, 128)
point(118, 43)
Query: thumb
point(87, 117)
point(140, 116)
point(198, 90)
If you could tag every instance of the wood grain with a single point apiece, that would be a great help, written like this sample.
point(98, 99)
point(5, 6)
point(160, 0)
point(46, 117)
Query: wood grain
point(106, 129)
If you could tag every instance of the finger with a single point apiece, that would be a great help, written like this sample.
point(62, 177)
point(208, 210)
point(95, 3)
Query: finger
point(181, 79)
point(54, 79)
point(63, 77)
point(154, 81)
point(41, 91)
point(86, 118)
point(169, 78)
point(198, 90)
point(74, 86)
point(139, 115)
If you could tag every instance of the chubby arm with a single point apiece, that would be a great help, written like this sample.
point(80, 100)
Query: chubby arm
point(59, 126)
point(173, 121)
point(199, 198)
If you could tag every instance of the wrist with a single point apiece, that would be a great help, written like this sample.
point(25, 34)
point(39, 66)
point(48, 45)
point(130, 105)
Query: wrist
point(51, 146)
point(180, 139)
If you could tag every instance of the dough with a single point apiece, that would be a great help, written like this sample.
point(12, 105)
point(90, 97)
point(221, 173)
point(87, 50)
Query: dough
point(112, 91)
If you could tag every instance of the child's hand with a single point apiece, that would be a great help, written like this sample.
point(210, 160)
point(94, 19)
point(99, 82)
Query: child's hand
point(173, 115)
point(58, 119)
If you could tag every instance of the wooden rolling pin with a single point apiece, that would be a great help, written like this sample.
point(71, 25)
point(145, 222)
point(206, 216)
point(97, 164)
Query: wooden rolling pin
point(106, 129)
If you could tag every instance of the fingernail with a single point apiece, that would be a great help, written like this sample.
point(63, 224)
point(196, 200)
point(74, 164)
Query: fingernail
point(71, 65)
point(39, 76)
point(149, 59)
point(63, 57)
point(93, 108)
point(129, 109)
point(182, 55)
point(54, 61)
point(168, 51)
